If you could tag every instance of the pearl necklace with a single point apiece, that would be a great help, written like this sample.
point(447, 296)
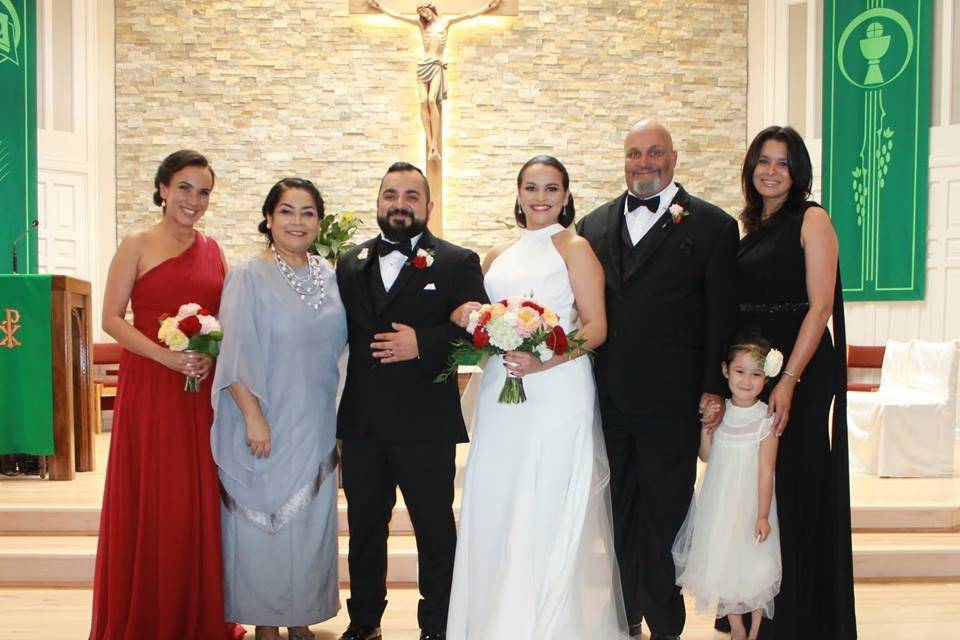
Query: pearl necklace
point(303, 287)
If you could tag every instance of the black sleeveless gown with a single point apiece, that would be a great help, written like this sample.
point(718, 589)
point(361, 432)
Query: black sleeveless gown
point(812, 474)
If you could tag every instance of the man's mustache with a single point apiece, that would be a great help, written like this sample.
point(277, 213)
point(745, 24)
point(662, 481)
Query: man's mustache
point(397, 210)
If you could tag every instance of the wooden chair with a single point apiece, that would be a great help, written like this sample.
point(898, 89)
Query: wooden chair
point(862, 357)
point(106, 364)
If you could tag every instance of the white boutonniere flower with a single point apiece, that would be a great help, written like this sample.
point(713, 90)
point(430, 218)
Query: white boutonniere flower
point(363, 254)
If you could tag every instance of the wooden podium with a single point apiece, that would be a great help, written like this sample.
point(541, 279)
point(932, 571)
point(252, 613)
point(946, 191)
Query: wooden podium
point(71, 326)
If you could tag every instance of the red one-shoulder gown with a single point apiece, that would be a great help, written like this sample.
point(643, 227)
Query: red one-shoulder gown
point(158, 572)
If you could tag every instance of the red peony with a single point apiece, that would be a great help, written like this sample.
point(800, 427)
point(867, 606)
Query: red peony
point(420, 262)
point(557, 340)
point(190, 326)
point(533, 305)
point(480, 337)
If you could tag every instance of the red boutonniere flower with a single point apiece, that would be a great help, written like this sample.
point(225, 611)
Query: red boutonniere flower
point(677, 213)
point(423, 259)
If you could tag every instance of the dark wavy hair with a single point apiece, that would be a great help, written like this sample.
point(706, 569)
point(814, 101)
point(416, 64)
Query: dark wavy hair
point(568, 213)
point(798, 163)
point(173, 163)
point(273, 199)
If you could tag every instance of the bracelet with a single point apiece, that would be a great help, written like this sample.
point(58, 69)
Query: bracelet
point(787, 372)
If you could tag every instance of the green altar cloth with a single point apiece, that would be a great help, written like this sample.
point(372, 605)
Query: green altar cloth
point(26, 374)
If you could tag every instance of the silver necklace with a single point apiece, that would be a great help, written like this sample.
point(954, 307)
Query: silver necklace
point(303, 287)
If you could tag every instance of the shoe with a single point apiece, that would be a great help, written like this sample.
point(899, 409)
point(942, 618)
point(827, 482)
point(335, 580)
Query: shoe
point(300, 633)
point(433, 635)
point(636, 630)
point(663, 636)
point(355, 632)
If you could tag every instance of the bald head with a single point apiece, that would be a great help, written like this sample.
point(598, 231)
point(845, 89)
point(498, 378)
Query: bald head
point(649, 158)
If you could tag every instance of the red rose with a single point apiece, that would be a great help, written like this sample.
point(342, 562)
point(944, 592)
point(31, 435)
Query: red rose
point(484, 319)
point(190, 326)
point(557, 340)
point(420, 262)
point(204, 312)
point(533, 305)
point(480, 338)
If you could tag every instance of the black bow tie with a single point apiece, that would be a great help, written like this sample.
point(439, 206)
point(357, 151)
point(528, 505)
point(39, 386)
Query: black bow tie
point(633, 202)
point(385, 248)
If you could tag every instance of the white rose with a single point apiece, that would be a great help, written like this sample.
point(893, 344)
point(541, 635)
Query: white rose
point(772, 363)
point(187, 310)
point(208, 324)
point(166, 327)
point(177, 340)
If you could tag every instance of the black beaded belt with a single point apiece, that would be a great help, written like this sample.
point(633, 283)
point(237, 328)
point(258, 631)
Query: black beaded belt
point(779, 307)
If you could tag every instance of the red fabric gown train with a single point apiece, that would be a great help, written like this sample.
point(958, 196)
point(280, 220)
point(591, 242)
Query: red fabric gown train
point(158, 572)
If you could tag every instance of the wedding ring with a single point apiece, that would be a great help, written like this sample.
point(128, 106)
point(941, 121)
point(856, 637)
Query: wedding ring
point(390, 353)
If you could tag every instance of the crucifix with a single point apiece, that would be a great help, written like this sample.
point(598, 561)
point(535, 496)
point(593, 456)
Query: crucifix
point(431, 81)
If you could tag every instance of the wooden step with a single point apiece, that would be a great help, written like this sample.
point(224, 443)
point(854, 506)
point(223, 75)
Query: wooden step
point(68, 561)
point(906, 555)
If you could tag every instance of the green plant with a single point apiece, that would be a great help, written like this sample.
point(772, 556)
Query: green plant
point(336, 234)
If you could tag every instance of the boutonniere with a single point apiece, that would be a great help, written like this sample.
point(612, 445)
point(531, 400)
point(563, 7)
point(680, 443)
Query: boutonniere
point(363, 253)
point(422, 259)
point(677, 214)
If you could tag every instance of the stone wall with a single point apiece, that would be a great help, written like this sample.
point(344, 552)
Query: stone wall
point(268, 88)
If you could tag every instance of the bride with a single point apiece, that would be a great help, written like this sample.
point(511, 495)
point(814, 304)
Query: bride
point(535, 551)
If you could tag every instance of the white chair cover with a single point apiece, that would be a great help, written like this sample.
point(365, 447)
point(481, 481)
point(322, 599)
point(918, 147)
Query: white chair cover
point(907, 428)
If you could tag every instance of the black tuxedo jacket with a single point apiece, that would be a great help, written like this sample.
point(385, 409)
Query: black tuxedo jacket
point(671, 317)
point(400, 402)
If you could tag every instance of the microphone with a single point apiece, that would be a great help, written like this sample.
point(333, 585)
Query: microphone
point(30, 227)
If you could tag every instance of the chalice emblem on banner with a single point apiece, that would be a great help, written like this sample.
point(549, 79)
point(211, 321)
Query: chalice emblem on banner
point(871, 67)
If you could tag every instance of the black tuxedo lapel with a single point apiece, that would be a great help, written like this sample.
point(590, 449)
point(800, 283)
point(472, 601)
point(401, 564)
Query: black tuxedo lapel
point(649, 244)
point(362, 274)
point(611, 257)
point(407, 272)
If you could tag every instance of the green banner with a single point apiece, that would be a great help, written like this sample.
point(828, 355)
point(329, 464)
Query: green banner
point(876, 120)
point(18, 133)
point(26, 374)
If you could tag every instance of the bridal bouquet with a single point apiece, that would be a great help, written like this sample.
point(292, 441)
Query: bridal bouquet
point(192, 329)
point(514, 324)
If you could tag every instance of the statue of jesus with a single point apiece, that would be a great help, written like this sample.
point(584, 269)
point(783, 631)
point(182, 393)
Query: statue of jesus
point(431, 87)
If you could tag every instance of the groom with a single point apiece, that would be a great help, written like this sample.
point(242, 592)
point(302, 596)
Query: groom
point(669, 261)
point(398, 427)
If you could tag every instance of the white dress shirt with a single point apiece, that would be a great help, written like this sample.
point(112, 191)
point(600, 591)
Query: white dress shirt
point(392, 263)
point(641, 220)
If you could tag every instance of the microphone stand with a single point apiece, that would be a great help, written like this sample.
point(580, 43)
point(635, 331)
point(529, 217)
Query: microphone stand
point(13, 254)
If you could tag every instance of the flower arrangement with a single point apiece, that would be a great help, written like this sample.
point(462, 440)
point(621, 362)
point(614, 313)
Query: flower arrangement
point(677, 214)
point(517, 323)
point(422, 259)
point(336, 236)
point(193, 328)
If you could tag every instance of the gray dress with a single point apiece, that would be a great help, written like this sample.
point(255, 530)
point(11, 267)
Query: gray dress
point(279, 514)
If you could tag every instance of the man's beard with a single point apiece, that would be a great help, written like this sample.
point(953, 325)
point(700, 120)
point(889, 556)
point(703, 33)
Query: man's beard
point(398, 231)
point(645, 188)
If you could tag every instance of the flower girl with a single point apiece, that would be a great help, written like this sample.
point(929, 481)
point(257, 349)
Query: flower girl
point(727, 552)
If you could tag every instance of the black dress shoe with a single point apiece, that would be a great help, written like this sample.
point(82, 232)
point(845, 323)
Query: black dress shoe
point(433, 635)
point(663, 636)
point(636, 630)
point(355, 632)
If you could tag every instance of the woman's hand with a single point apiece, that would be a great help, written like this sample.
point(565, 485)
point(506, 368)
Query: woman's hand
point(189, 363)
point(461, 315)
point(779, 405)
point(521, 363)
point(761, 530)
point(258, 436)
